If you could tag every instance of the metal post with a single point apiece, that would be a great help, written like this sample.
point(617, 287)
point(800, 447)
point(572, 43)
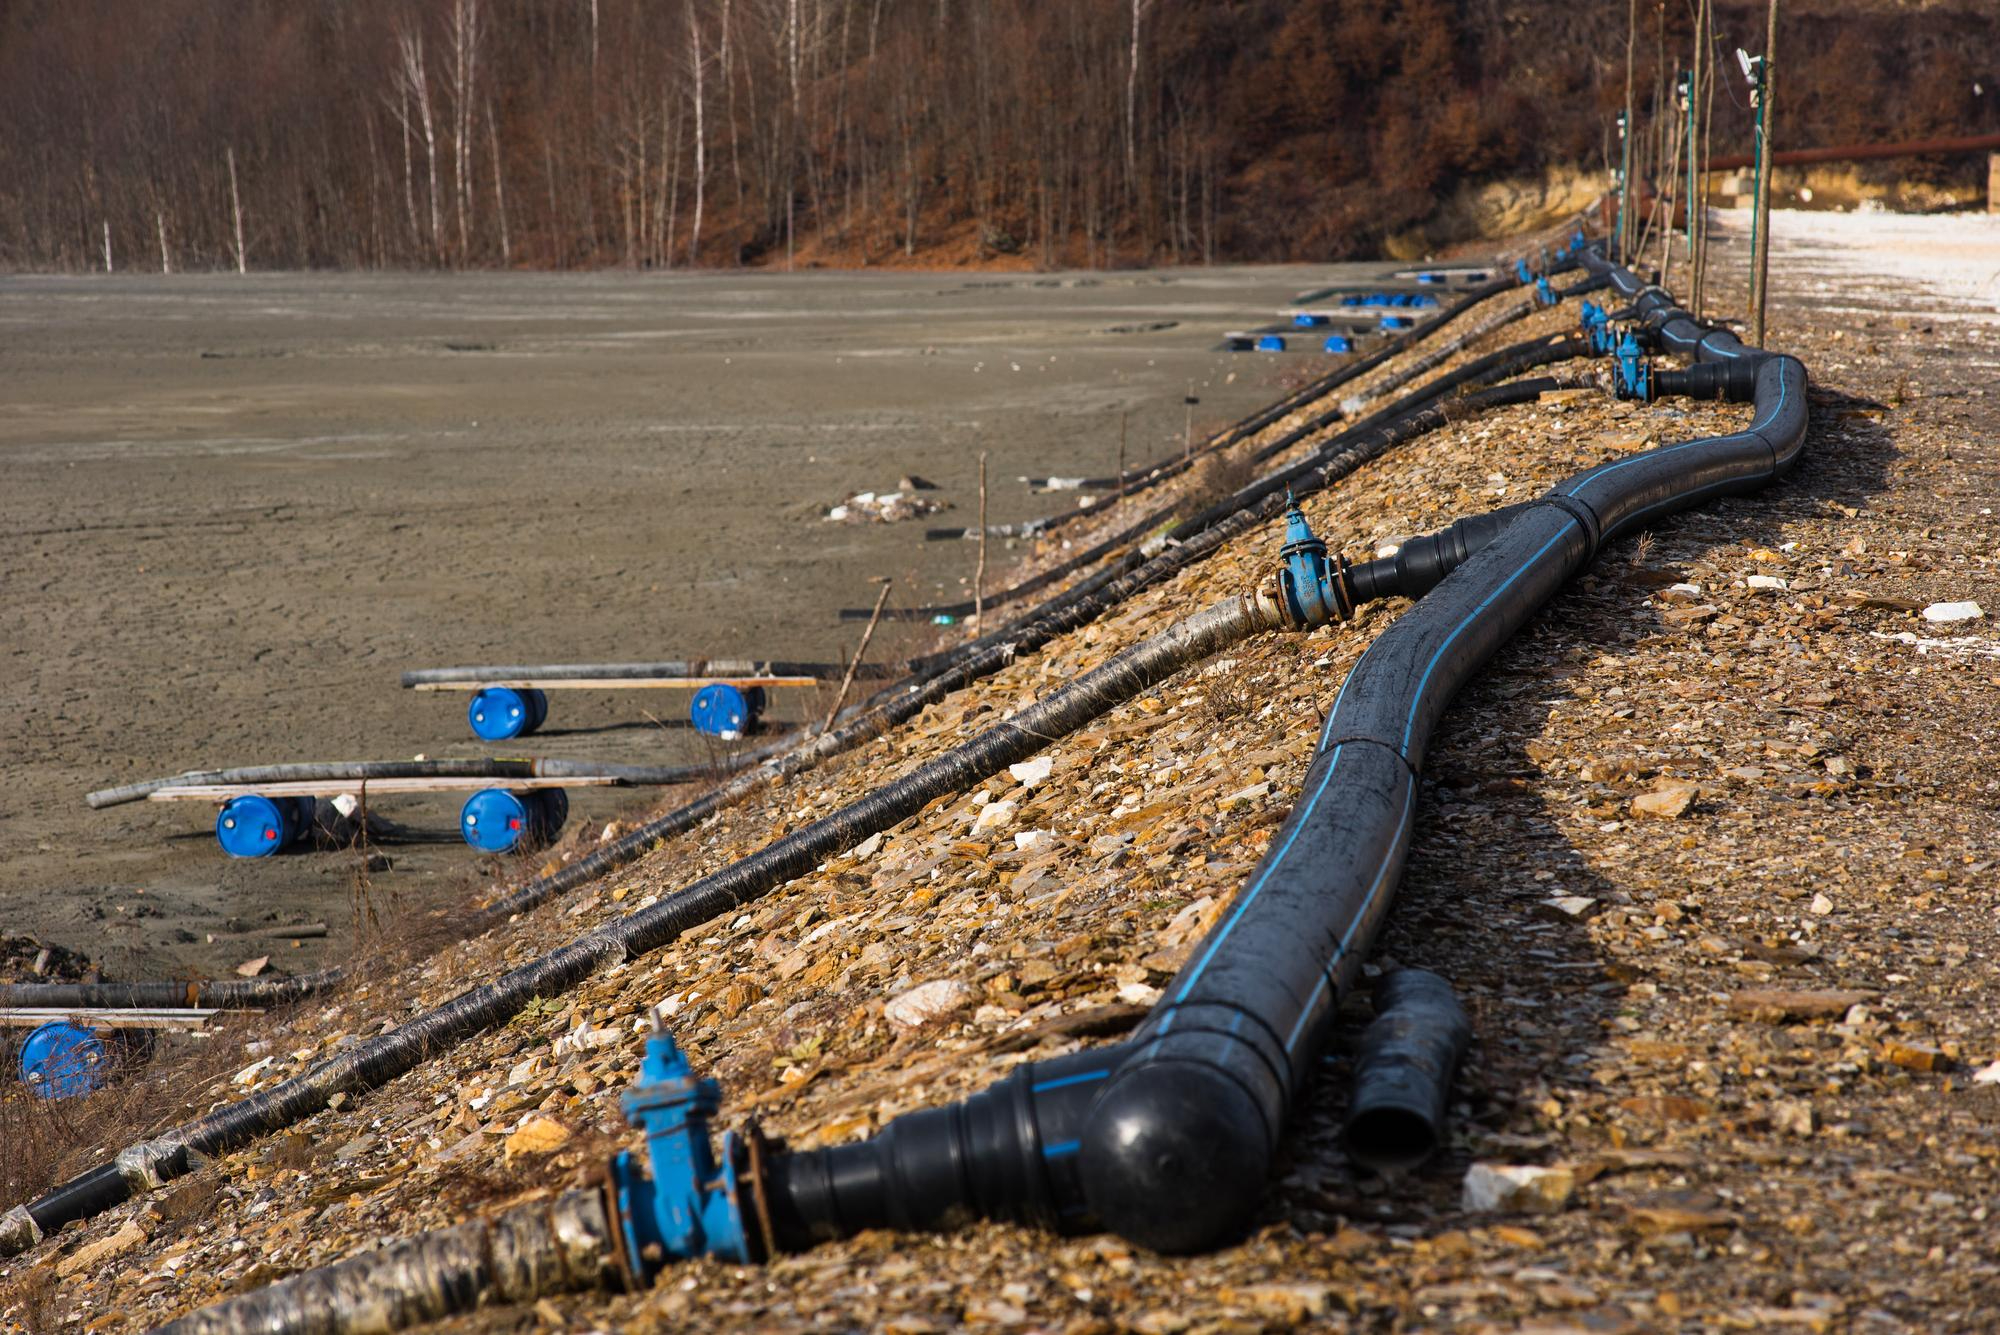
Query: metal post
point(1761, 280)
point(1687, 102)
point(1624, 180)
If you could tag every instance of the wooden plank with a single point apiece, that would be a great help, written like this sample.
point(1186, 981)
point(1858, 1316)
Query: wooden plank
point(28, 1017)
point(437, 783)
point(615, 683)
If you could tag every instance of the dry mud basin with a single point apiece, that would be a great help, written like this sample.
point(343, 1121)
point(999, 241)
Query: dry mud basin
point(236, 508)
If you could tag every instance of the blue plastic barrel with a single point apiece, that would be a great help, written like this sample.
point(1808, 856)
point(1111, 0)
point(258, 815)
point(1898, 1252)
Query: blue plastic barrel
point(1270, 343)
point(1430, 278)
point(726, 711)
point(60, 1060)
point(1397, 322)
point(1337, 343)
point(494, 820)
point(500, 712)
point(255, 826)
point(1308, 320)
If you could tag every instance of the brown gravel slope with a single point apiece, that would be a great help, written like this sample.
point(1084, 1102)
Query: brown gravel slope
point(1736, 1158)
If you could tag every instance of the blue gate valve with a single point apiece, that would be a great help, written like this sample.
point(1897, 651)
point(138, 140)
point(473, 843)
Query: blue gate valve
point(1545, 292)
point(1523, 272)
point(1597, 328)
point(1635, 371)
point(689, 1205)
point(1315, 591)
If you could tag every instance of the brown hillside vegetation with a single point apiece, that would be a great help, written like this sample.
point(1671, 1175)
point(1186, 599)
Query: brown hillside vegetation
point(190, 134)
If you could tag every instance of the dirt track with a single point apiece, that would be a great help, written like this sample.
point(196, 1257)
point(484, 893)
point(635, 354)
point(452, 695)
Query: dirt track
point(236, 508)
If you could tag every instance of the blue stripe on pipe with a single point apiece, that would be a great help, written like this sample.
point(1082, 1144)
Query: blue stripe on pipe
point(1637, 515)
point(1061, 1148)
point(1417, 697)
point(1257, 887)
point(1069, 1080)
point(1347, 938)
point(1753, 429)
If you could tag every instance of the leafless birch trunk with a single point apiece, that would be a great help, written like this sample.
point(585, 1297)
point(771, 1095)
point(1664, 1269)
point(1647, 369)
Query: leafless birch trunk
point(160, 226)
point(700, 139)
point(499, 184)
point(236, 210)
point(415, 80)
point(465, 22)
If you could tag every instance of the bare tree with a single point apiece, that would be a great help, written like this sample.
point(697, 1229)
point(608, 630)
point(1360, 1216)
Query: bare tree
point(236, 211)
point(465, 28)
point(499, 184)
point(414, 80)
point(697, 62)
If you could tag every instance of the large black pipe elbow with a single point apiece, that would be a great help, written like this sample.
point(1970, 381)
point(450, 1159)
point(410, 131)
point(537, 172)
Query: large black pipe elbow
point(1174, 1157)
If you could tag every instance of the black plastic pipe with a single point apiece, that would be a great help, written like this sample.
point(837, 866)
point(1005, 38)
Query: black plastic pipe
point(1168, 1137)
point(1402, 1077)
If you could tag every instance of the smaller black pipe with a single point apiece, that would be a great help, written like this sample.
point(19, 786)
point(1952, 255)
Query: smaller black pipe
point(1402, 1079)
point(1421, 564)
point(1735, 381)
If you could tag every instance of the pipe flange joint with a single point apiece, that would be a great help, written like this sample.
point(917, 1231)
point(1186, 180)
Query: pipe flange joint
point(690, 1203)
point(1312, 590)
point(1523, 272)
point(1545, 292)
point(1585, 517)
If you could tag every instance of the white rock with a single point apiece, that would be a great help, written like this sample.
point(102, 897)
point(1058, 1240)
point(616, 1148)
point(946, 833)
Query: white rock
point(1767, 582)
point(1139, 994)
point(868, 847)
point(250, 1073)
point(1987, 1076)
point(927, 1002)
point(1568, 906)
point(1820, 906)
point(1692, 590)
point(992, 816)
point(1031, 838)
point(1942, 612)
point(1031, 772)
point(1793, 1117)
point(1518, 1188)
point(1244, 796)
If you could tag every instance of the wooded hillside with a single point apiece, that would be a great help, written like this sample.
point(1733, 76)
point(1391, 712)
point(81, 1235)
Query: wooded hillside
point(554, 133)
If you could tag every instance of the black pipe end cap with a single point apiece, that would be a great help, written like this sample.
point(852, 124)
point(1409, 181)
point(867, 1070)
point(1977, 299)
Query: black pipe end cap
point(1175, 1157)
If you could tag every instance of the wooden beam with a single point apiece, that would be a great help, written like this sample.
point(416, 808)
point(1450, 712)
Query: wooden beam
point(615, 683)
point(435, 783)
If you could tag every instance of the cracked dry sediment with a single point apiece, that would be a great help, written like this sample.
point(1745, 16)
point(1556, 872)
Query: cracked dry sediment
point(1732, 1170)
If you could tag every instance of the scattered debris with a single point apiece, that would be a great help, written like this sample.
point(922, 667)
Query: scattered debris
point(889, 507)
